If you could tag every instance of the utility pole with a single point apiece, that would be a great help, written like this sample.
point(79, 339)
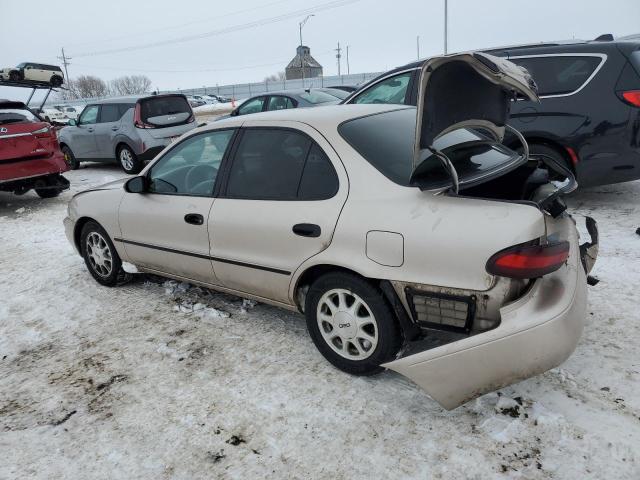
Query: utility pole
point(348, 71)
point(446, 25)
point(301, 24)
point(338, 56)
point(65, 62)
point(418, 46)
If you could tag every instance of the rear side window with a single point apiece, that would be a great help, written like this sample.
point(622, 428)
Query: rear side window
point(391, 90)
point(109, 112)
point(559, 75)
point(165, 111)
point(278, 164)
point(278, 102)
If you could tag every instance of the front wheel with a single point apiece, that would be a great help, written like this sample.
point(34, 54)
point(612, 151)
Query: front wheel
point(351, 323)
point(129, 161)
point(14, 76)
point(100, 256)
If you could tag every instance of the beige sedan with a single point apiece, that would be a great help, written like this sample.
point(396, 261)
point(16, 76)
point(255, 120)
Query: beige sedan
point(410, 238)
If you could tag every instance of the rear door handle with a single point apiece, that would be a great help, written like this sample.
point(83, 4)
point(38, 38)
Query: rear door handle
point(307, 229)
point(194, 218)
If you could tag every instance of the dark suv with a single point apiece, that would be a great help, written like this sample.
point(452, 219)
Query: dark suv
point(589, 113)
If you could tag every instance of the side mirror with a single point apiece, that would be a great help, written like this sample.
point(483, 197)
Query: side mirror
point(136, 185)
point(72, 122)
point(235, 113)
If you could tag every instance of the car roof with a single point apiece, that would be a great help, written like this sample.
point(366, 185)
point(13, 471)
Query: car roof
point(133, 98)
point(320, 117)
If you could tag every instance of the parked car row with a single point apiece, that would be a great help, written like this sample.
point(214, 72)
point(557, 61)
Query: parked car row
point(410, 237)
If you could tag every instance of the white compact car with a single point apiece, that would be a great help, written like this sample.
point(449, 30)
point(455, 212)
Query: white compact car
point(410, 238)
point(34, 72)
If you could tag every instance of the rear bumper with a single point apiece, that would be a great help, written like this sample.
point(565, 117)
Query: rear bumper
point(26, 169)
point(537, 332)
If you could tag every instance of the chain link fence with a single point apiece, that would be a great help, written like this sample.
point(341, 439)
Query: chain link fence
point(244, 90)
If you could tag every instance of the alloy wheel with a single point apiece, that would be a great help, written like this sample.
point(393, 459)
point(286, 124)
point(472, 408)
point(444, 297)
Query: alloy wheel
point(99, 254)
point(347, 324)
point(126, 159)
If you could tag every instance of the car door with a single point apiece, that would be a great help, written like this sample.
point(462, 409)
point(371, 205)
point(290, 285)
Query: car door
point(282, 197)
point(106, 129)
point(165, 229)
point(82, 139)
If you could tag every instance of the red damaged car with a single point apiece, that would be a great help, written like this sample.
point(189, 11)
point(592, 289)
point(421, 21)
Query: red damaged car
point(30, 155)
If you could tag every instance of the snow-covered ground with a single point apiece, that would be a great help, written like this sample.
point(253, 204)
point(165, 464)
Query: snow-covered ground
point(163, 380)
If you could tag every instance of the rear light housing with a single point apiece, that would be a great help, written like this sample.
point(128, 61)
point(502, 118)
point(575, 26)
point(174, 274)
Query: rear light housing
point(527, 261)
point(43, 132)
point(632, 97)
point(137, 118)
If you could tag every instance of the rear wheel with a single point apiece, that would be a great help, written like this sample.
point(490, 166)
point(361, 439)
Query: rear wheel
point(70, 158)
point(128, 160)
point(351, 323)
point(100, 256)
point(56, 81)
point(48, 192)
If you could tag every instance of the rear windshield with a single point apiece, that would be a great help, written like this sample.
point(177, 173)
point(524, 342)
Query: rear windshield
point(17, 115)
point(316, 96)
point(160, 106)
point(557, 75)
point(386, 141)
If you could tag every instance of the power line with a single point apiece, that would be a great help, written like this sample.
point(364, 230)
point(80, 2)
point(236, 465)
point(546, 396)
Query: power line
point(181, 25)
point(222, 31)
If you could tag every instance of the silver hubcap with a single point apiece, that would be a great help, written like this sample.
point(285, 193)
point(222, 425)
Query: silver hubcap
point(126, 159)
point(347, 324)
point(99, 254)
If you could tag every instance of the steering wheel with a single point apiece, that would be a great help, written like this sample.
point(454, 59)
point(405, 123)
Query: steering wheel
point(200, 179)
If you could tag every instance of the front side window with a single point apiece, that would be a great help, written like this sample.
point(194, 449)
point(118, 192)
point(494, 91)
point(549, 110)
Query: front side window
point(558, 75)
point(89, 115)
point(191, 167)
point(278, 164)
point(391, 90)
point(251, 106)
point(278, 102)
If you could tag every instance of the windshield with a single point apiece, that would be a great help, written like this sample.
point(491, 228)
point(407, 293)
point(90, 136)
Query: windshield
point(317, 96)
point(386, 140)
point(17, 115)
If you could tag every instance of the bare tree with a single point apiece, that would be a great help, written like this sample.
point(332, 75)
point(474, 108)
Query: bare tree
point(85, 86)
point(130, 85)
point(276, 77)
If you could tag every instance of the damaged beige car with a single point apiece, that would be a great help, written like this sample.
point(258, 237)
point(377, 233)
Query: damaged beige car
point(411, 238)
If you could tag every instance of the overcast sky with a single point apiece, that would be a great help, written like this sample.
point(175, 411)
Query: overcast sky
point(381, 35)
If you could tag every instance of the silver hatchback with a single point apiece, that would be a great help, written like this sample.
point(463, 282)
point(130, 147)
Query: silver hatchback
point(129, 130)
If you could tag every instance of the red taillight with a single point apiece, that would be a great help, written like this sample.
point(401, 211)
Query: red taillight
point(137, 118)
point(632, 97)
point(572, 155)
point(528, 261)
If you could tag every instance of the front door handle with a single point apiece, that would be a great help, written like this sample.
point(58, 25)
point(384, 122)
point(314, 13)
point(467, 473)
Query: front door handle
point(307, 229)
point(114, 128)
point(194, 218)
point(90, 130)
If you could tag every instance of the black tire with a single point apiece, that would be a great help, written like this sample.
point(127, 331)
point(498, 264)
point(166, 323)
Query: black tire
point(115, 275)
point(132, 166)
point(70, 158)
point(546, 150)
point(389, 337)
point(15, 76)
point(56, 81)
point(48, 192)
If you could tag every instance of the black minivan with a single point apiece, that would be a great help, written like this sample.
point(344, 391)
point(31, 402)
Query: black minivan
point(589, 110)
